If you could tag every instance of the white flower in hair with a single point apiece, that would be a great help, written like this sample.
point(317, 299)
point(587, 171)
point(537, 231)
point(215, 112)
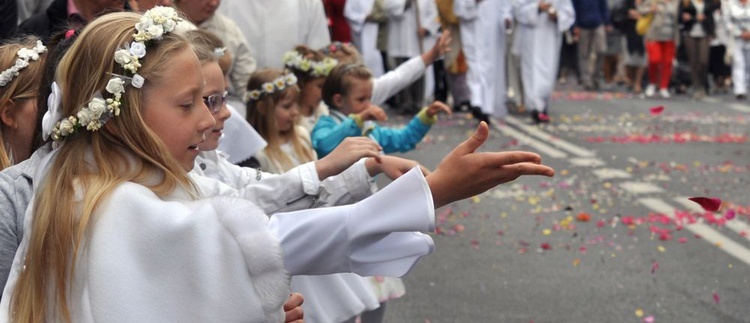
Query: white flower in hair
point(254, 95)
point(137, 49)
point(290, 79)
point(280, 83)
point(24, 55)
point(152, 26)
point(115, 85)
point(268, 88)
point(295, 60)
point(137, 81)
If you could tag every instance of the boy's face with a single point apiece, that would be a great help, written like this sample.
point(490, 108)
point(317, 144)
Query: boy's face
point(358, 98)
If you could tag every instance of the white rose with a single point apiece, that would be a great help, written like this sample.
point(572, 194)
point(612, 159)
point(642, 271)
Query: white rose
point(97, 106)
point(115, 85)
point(85, 116)
point(144, 24)
point(122, 57)
point(137, 81)
point(169, 25)
point(66, 127)
point(155, 31)
point(138, 49)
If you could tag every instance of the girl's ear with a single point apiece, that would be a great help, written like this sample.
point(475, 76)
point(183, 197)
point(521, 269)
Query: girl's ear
point(8, 114)
point(338, 100)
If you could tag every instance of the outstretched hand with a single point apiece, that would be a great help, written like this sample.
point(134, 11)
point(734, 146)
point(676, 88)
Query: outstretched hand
point(464, 173)
point(373, 112)
point(347, 153)
point(393, 166)
point(293, 309)
point(442, 46)
point(437, 107)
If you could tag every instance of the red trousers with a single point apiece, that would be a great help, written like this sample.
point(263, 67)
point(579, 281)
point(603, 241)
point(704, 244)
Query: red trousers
point(660, 55)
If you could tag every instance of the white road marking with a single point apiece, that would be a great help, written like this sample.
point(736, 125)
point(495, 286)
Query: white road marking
point(736, 225)
point(704, 231)
point(587, 162)
point(610, 173)
point(641, 187)
point(536, 144)
point(548, 138)
point(738, 107)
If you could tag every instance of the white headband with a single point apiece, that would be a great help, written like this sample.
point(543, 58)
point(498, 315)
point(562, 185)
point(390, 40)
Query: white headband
point(24, 55)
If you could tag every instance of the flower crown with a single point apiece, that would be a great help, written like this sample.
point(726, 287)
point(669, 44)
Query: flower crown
point(279, 84)
point(295, 60)
point(152, 26)
point(24, 55)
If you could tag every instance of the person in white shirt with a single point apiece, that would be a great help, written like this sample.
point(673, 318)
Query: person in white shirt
point(272, 27)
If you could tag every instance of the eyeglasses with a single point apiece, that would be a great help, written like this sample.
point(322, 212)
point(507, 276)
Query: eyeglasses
point(215, 102)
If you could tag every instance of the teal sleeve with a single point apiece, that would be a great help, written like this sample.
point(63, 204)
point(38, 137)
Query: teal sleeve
point(328, 134)
point(403, 139)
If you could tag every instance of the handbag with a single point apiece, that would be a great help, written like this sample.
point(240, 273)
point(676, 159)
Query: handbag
point(643, 24)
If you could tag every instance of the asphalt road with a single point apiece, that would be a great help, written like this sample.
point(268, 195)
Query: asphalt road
point(612, 237)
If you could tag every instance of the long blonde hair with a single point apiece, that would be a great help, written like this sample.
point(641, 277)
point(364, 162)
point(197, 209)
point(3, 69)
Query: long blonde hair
point(261, 116)
point(92, 162)
point(23, 86)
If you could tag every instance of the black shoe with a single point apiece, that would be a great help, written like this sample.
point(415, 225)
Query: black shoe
point(477, 113)
point(741, 97)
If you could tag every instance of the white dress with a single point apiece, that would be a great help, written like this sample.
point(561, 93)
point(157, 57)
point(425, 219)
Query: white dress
point(485, 33)
point(539, 40)
point(364, 33)
point(239, 140)
point(220, 259)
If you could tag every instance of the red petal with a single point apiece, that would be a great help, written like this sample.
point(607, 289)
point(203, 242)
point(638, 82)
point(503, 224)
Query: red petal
point(729, 214)
point(656, 110)
point(710, 204)
point(716, 298)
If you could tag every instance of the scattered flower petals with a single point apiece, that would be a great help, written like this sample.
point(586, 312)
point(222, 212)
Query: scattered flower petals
point(546, 246)
point(639, 312)
point(730, 214)
point(710, 204)
point(683, 240)
point(576, 262)
point(648, 319)
point(583, 217)
point(661, 248)
point(654, 267)
point(657, 110)
point(716, 298)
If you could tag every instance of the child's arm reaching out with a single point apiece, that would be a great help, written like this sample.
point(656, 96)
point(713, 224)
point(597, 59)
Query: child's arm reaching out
point(328, 133)
point(406, 138)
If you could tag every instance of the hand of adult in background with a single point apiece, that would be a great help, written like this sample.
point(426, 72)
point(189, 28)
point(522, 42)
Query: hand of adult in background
point(293, 309)
point(441, 47)
point(393, 166)
point(633, 14)
point(437, 107)
point(422, 32)
point(700, 17)
point(464, 173)
point(686, 17)
point(374, 112)
point(346, 154)
point(544, 6)
point(608, 28)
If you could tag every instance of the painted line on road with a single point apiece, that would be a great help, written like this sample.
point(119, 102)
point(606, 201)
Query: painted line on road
point(587, 162)
point(738, 107)
point(611, 173)
point(641, 187)
point(705, 232)
point(548, 138)
point(736, 225)
point(536, 144)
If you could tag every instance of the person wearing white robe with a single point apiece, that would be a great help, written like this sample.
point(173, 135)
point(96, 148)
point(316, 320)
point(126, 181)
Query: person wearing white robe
point(364, 33)
point(404, 43)
point(272, 27)
point(485, 23)
point(539, 40)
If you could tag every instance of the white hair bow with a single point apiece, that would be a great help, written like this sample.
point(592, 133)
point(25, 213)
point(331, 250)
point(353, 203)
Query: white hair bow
point(54, 111)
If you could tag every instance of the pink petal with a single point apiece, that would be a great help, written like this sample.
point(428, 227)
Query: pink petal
point(729, 214)
point(654, 267)
point(648, 319)
point(716, 298)
point(656, 110)
point(710, 204)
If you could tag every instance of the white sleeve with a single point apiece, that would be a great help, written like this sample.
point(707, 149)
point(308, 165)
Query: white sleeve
point(466, 9)
point(396, 80)
point(296, 189)
point(356, 12)
point(394, 8)
point(566, 15)
point(526, 12)
point(373, 237)
point(352, 185)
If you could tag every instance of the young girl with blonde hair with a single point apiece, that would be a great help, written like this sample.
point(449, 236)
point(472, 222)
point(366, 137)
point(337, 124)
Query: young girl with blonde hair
point(21, 64)
point(119, 232)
